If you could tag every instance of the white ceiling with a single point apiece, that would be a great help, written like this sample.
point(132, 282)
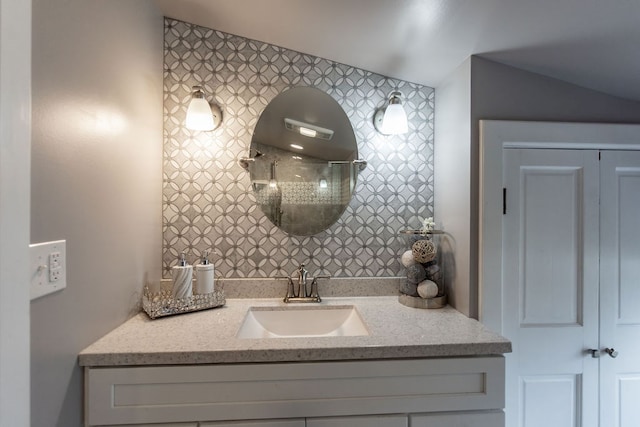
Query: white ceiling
point(591, 43)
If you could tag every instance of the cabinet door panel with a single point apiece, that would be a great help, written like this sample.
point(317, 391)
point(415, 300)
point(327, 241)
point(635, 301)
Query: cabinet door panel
point(373, 421)
point(466, 419)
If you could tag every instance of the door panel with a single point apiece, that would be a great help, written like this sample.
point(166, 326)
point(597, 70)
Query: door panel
point(620, 288)
point(550, 275)
point(629, 388)
point(628, 232)
point(550, 400)
point(549, 258)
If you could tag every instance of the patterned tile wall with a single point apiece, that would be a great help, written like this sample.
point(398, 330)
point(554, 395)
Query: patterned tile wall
point(208, 201)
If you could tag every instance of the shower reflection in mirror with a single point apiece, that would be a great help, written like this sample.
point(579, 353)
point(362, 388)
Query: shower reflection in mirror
point(293, 190)
point(303, 161)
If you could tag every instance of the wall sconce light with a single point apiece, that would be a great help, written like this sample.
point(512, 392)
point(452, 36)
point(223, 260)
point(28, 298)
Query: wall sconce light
point(323, 184)
point(392, 120)
point(200, 114)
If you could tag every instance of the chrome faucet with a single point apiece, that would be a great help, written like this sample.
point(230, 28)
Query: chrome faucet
point(298, 291)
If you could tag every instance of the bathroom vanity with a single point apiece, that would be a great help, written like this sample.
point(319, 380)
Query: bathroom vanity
point(429, 368)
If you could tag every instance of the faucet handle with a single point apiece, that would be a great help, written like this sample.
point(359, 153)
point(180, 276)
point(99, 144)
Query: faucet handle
point(314, 287)
point(290, 291)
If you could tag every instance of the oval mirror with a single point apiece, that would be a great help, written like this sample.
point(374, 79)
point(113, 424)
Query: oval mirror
point(303, 161)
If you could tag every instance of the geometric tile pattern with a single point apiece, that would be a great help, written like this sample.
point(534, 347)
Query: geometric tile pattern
point(208, 200)
point(301, 193)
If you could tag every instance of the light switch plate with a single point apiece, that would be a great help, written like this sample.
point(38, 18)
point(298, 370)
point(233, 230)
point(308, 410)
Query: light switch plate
point(48, 267)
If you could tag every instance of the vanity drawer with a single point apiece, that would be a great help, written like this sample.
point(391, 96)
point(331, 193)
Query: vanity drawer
point(291, 390)
point(160, 425)
point(359, 421)
point(260, 423)
point(464, 419)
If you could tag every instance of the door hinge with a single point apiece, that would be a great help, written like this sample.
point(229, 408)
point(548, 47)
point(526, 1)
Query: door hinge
point(504, 201)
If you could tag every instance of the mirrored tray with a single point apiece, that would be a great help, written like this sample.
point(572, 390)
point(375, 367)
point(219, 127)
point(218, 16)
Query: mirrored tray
point(160, 304)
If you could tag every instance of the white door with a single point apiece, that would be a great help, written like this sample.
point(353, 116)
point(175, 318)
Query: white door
point(618, 240)
point(620, 288)
point(550, 287)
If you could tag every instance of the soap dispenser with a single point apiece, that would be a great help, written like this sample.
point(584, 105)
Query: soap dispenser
point(204, 276)
point(182, 275)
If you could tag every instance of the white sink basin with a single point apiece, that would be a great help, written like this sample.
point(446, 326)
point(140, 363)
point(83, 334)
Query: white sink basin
point(291, 322)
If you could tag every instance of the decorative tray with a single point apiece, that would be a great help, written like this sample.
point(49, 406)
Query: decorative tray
point(417, 302)
point(421, 232)
point(160, 304)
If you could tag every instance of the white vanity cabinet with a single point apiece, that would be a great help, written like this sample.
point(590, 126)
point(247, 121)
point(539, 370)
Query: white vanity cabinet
point(430, 392)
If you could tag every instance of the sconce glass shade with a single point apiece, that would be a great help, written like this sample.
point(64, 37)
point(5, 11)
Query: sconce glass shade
point(199, 114)
point(393, 119)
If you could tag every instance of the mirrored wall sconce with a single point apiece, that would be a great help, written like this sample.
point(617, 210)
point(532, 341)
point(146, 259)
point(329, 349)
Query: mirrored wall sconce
point(323, 184)
point(200, 114)
point(392, 120)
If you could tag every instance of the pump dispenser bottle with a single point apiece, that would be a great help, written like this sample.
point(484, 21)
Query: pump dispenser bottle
point(204, 276)
point(182, 275)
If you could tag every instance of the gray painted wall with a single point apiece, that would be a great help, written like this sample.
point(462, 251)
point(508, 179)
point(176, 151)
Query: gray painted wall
point(501, 92)
point(451, 211)
point(96, 180)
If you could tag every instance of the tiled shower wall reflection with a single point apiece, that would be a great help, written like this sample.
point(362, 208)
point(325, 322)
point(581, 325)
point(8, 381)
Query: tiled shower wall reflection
point(208, 201)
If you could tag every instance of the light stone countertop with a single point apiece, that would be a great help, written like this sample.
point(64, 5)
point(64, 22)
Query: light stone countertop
point(209, 337)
